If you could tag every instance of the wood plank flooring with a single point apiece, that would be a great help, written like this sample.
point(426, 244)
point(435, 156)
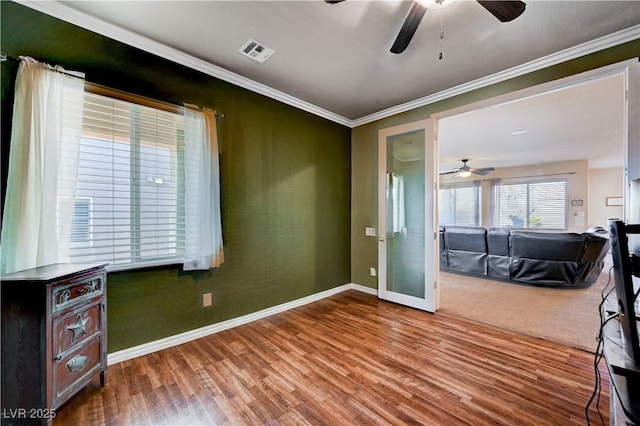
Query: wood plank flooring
point(349, 359)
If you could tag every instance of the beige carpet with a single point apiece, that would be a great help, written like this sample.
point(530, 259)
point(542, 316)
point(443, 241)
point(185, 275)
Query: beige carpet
point(566, 316)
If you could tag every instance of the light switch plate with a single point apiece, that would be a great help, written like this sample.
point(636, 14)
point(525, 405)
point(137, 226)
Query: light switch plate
point(370, 232)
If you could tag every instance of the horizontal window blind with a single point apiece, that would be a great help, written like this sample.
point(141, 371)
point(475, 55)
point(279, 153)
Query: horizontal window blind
point(459, 206)
point(534, 205)
point(130, 168)
point(397, 201)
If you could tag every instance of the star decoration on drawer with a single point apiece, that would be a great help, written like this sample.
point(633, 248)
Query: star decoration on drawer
point(78, 327)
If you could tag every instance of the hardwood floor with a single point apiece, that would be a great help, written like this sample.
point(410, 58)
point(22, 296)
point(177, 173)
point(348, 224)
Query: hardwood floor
point(349, 359)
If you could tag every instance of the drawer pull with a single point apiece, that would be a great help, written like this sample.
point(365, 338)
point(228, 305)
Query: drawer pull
point(78, 327)
point(77, 363)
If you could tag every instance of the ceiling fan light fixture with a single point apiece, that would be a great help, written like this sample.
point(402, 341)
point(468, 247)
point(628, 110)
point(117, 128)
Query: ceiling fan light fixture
point(435, 4)
point(464, 173)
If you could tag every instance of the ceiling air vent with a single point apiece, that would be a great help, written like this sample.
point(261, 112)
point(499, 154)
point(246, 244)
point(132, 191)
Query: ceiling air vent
point(256, 50)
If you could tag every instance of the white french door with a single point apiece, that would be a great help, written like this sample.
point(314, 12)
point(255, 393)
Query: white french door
point(407, 225)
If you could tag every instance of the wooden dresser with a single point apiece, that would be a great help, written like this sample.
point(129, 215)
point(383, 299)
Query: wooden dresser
point(54, 338)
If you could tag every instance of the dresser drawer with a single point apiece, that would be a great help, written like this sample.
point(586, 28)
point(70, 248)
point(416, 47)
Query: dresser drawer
point(76, 291)
point(70, 371)
point(75, 327)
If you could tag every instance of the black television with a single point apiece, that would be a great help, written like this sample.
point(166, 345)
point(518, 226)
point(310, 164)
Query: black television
point(623, 273)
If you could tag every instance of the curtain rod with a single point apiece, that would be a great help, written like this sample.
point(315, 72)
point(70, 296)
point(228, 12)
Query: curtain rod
point(99, 89)
point(4, 57)
point(122, 95)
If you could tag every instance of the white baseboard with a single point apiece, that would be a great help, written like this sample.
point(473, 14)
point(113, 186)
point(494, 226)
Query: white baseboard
point(167, 342)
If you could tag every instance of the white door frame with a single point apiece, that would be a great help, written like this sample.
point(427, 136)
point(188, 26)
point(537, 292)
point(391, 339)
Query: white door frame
point(431, 300)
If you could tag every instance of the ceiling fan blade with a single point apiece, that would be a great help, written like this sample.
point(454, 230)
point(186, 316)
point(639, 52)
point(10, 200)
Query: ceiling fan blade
point(482, 171)
point(409, 28)
point(333, 1)
point(448, 173)
point(506, 10)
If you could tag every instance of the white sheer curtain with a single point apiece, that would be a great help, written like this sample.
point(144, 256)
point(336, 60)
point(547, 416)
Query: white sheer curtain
point(43, 161)
point(203, 220)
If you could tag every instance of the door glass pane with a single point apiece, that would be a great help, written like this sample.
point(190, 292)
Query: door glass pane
point(405, 233)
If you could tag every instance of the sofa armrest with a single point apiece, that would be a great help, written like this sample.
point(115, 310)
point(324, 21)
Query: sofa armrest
point(597, 248)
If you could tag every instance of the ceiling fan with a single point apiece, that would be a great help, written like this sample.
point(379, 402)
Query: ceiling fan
point(504, 10)
point(466, 171)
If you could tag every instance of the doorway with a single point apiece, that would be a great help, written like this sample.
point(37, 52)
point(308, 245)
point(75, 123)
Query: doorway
point(585, 206)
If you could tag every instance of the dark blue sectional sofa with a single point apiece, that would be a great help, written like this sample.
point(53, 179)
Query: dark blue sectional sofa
point(553, 259)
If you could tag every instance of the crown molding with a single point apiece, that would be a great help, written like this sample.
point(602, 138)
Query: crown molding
point(614, 39)
point(62, 11)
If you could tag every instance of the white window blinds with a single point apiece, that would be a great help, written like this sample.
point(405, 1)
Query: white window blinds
point(459, 206)
point(534, 205)
point(398, 202)
point(130, 168)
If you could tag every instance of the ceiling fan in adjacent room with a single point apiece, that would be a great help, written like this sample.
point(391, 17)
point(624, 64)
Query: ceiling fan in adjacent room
point(504, 10)
point(466, 171)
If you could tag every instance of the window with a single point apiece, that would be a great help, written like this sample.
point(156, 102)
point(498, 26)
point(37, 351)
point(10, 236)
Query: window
point(397, 202)
point(127, 183)
point(129, 206)
point(459, 206)
point(541, 204)
point(81, 223)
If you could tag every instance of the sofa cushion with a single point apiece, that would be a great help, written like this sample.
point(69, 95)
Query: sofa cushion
point(467, 262)
point(498, 266)
point(466, 248)
point(466, 238)
point(544, 272)
point(498, 241)
point(556, 246)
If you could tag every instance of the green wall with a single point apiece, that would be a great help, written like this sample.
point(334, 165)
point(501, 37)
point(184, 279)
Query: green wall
point(285, 179)
point(364, 141)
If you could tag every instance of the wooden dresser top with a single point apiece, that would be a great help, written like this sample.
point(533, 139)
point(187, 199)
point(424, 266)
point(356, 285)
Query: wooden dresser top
point(55, 271)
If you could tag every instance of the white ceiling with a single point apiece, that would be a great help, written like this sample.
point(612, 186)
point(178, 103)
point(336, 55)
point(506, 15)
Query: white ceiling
point(335, 59)
point(584, 121)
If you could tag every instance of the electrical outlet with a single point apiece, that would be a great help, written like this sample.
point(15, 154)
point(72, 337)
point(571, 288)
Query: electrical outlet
point(372, 272)
point(206, 300)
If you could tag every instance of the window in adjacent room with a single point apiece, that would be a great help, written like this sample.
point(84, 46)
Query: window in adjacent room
point(459, 205)
point(397, 202)
point(541, 204)
point(81, 223)
point(129, 207)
